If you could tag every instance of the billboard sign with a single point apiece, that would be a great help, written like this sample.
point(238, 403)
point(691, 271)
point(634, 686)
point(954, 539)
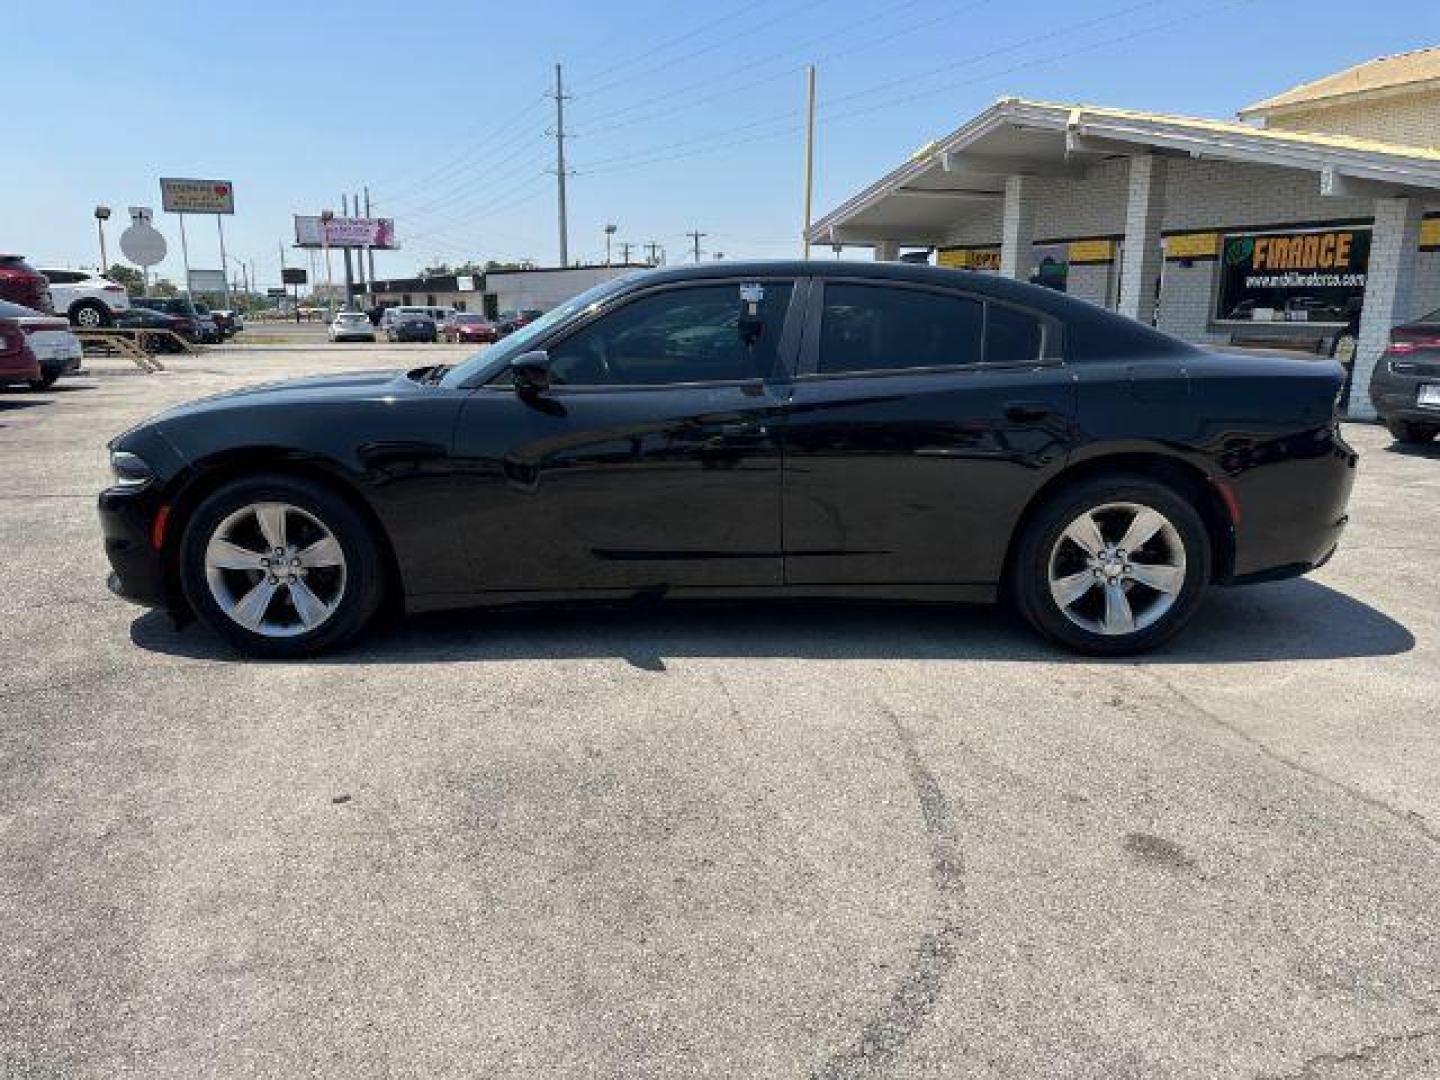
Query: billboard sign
point(197, 196)
point(276, 292)
point(1309, 275)
point(345, 232)
point(207, 281)
point(293, 275)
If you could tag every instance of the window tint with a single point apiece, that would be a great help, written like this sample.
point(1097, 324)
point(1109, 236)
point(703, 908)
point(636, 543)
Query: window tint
point(878, 328)
point(1011, 336)
point(64, 277)
point(681, 335)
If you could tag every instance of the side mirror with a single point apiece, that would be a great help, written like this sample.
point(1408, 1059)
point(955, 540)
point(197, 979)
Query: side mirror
point(531, 372)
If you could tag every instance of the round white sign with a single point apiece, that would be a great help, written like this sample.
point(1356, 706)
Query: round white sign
point(143, 245)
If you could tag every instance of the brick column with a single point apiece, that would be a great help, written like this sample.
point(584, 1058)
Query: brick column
point(1017, 235)
point(1144, 212)
point(1389, 291)
point(887, 251)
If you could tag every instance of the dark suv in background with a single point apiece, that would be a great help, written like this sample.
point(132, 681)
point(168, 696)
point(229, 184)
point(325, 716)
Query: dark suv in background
point(1405, 386)
point(192, 327)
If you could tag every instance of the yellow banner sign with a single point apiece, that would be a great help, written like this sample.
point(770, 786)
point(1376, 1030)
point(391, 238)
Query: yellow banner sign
point(969, 258)
point(1201, 245)
point(1091, 251)
point(1430, 232)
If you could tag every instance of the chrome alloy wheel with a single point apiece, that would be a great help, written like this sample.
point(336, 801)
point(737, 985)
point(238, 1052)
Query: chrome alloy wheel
point(1117, 568)
point(275, 569)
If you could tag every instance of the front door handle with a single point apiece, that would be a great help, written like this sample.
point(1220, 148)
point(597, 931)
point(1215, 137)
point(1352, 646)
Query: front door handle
point(1027, 412)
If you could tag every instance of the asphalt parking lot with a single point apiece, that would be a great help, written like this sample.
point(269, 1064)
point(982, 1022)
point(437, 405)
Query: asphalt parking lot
point(749, 841)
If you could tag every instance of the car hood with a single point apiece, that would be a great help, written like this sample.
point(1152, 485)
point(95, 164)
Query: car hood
point(315, 389)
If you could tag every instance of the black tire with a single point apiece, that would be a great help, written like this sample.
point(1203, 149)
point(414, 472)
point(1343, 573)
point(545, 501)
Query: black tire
point(1030, 569)
point(90, 314)
point(1409, 431)
point(46, 380)
point(358, 599)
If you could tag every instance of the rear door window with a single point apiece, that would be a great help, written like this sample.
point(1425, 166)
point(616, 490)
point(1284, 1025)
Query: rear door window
point(1012, 336)
point(887, 328)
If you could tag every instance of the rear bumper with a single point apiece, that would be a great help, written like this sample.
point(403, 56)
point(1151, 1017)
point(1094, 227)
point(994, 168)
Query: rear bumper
point(1395, 395)
point(127, 518)
point(1292, 506)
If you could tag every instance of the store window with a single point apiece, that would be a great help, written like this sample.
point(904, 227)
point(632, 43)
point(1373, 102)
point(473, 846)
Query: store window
point(1315, 275)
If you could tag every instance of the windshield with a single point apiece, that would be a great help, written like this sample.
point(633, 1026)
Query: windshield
point(520, 340)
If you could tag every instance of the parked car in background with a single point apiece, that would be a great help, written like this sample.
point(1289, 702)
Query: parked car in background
point(56, 349)
point(179, 307)
point(467, 328)
point(351, 326)
point(744, 429)
point(230, 321)
point(210, 333)
point(21, 283)
point(18, 362)
point(436, 315)
point(87, 299)
point(412, 327)
point(1405, 385)
point(509, 321)
point(144, 318)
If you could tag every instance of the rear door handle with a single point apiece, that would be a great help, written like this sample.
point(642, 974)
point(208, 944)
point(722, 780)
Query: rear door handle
point(1027, 412)
point(743, 429)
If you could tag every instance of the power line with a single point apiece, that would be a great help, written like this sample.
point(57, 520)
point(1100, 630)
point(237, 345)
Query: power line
point(727, 20)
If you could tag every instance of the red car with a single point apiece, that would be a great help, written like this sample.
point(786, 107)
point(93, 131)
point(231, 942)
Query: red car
point(22, 284)
point(18, 362)
point(464, 328)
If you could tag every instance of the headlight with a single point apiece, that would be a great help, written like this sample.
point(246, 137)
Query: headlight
point(129, 469)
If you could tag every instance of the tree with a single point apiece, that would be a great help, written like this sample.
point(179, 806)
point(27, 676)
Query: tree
point(163, 287)
point(128, 276)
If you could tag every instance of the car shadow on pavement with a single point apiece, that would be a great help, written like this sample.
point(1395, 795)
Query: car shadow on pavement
point(1292, 620)
point(1429, 449)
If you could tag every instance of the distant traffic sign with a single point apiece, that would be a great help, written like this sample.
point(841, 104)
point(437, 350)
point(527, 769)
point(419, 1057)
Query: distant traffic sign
point(197, 196)
point(276, 292)
point(142, 244)
point(293, 275)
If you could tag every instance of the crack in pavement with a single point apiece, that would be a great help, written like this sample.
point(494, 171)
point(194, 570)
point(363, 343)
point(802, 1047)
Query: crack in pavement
point(1410, 820)
point(893, 1024)
point(1356, 1055)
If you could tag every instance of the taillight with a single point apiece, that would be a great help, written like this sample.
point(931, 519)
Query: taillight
point(1405, 346)
point(12, 338)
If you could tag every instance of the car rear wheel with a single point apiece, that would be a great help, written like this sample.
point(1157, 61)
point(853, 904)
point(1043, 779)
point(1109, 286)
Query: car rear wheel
point(281, 567)
point(1113, 566)
point(1408, 431)
point(90, 315)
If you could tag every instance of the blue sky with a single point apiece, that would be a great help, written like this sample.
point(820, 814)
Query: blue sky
point(685, 115)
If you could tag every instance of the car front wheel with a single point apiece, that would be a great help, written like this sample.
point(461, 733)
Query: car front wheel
point(281, 567)
point(1113, 566)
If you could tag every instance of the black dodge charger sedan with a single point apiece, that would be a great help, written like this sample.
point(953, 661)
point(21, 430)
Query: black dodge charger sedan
point(743, 430)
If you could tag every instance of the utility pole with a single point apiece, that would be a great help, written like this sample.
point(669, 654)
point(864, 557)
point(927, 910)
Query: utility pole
point(359, 255)
point(369, 251)
point(695, 238)
point(625, 247)
point(349, 267)
point(560, 166)
point(809, 152)
point(650, 248)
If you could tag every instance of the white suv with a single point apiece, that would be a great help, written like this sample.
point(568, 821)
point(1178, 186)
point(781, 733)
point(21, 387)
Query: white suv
point(87, 298)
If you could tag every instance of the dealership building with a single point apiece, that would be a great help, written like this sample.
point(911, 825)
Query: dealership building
point(1311, 222)
point(495, 291)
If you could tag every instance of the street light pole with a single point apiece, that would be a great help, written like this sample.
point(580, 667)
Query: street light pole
point(102, 214)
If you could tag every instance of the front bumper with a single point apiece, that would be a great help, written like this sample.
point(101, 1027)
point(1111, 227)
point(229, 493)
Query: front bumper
point(127, 519)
